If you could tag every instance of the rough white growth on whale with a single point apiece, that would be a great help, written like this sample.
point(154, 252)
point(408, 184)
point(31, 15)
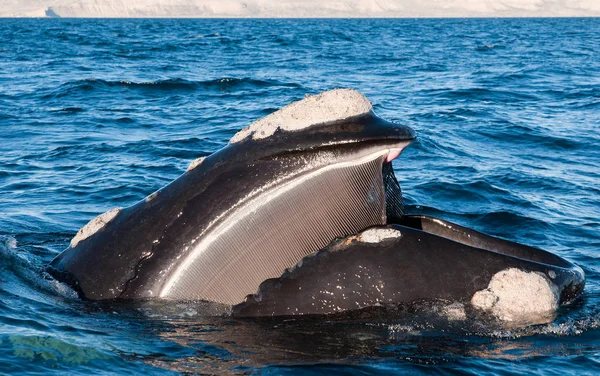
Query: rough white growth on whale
point(195, 163)
point(94, 226)
point(516, 295)
point(454, 311)
point(377, 235)
point(152, 196)
point(329, 106)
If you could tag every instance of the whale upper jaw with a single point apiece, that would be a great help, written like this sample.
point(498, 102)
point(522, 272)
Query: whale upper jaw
point(357, 131)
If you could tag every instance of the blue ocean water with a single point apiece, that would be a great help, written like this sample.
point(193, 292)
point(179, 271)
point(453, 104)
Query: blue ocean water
point(96, 114)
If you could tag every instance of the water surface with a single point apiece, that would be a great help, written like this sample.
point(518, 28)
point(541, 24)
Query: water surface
point(96, 114)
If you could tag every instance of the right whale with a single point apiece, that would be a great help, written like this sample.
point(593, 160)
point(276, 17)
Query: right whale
point(314, 173)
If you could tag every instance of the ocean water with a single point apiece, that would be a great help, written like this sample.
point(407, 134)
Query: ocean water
point(96, 114)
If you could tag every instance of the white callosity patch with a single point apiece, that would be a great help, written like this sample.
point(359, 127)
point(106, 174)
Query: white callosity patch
point(454, 311)
point(329, 106)
point(195, 163)
point(377, 235)
point(94, 226)
point(516, 295)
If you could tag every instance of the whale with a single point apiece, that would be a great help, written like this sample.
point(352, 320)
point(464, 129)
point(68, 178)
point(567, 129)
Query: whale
point(282, 188)
point(301, 214)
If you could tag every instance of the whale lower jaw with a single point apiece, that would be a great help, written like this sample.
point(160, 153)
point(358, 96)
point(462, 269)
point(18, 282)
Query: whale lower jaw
point(423, 258)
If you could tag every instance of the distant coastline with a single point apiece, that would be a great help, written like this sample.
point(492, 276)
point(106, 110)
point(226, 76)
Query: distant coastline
point(298, 9)
point(56, 16)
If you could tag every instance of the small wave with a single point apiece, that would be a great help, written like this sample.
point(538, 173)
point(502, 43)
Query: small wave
point(9, 254)
point(8, 243)
point(519, 180)
point(69, 110)
point(488, 47)
point(523, 135)
point(581, 92)
point(202, 36)
point(567, 328)
point(175, 84)
point(4, 116)
point(508, 219)
point(432, 67)
point(343, 36)
point(479, 93)
point(455, 113)
point(23, 269)
point(125, 120)
point(475, 193)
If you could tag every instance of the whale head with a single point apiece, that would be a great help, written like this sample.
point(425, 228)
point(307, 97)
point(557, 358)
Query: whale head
point(285, 186)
